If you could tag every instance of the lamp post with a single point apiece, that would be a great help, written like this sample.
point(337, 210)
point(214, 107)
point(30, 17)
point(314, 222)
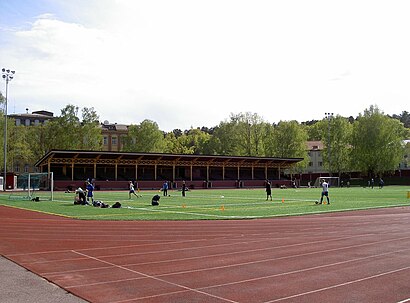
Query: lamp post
point(329, 116)
point(7, 75)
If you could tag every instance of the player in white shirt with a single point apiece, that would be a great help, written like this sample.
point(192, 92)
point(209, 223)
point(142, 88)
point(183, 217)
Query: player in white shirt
point(325, 192)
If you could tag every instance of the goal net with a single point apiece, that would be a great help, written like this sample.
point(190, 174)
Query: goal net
point(33, 186)
point(332, 181)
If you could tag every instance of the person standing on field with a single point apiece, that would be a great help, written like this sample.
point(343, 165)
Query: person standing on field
point(268, 190)
point(183, 188)
point(325, 192)
point(165, 188)
point(90, 190)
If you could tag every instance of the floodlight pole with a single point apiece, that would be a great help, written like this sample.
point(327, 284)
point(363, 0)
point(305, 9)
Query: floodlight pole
point(329, 116)
point(7, 75)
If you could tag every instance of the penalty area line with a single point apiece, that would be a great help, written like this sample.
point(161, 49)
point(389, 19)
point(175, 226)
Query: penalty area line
point(193, 213)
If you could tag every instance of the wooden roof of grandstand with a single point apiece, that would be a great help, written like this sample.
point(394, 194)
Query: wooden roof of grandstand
point(132, 158)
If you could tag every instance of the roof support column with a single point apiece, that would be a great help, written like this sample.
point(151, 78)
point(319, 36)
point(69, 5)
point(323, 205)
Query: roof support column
point(136, 171)
point(72, 171)
point(173, 172)
point(155, 172)
point(266, 172)
point(207, 173)
point(191, 173)
point(279, 173)
point(223, 172)
point(239, 175)
point(116, 171)
point(252, 174)
point(95, 170)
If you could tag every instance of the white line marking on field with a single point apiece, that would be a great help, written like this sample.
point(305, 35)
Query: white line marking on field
point(194, 213)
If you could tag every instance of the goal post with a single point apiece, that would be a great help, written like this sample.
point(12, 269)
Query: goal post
point(332, 181)
point(39, 186)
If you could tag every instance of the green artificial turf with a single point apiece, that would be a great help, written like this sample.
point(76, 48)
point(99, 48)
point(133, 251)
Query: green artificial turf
point(216, 204)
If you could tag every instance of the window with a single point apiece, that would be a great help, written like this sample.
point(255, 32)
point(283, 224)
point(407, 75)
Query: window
point(320, 163)
point(27, 122)
point(36, 122)
point(105, 140)
point(26, 168)
point(310, 163)
point(18, 122)
point(114, 140)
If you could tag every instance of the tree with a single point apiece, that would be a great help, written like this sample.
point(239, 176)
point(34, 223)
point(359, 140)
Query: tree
point(197, 140)
point(336, 135)
point(90, 130)
point(2, 100)
point(376, 142)
point(173, 145)
point(39, 139)
point(20, 149)
point(145, 137)
point(225, 139)
point(404, 117)
point(177, 132)
point(249, 133)
point(269, 140)
point(63, 132)
point(314, 131)
point(67, 132)
point(290, 142)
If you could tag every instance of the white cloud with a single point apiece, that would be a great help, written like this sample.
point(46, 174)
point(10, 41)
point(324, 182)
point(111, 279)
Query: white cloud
point(192, 63)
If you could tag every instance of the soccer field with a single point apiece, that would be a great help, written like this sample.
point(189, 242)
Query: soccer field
point(213, 204)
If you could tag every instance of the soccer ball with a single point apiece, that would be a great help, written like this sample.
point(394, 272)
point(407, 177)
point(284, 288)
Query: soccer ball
point(222, 197)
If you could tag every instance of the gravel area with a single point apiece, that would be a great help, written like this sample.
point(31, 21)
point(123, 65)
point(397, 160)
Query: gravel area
point(18, 285)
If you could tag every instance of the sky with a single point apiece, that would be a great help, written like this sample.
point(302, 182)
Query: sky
point(193, 63)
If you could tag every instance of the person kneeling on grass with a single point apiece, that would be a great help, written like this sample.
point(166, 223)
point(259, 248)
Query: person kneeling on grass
point(155, 200)
point(81, 200)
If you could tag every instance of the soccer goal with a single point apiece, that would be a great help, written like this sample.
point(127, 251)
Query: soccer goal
point(34, 186)
point(332, 181)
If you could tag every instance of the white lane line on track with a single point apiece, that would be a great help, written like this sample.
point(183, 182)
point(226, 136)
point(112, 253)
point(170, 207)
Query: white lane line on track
point(222, 245)
point(223, 254)
point(288, 273)
point(340, 285)
point(156, 278)
point(265, 260)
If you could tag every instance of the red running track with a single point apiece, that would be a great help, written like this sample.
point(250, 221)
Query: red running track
point(361, 256)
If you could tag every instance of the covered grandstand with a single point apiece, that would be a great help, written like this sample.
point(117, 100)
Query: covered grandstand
point(113, 170)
